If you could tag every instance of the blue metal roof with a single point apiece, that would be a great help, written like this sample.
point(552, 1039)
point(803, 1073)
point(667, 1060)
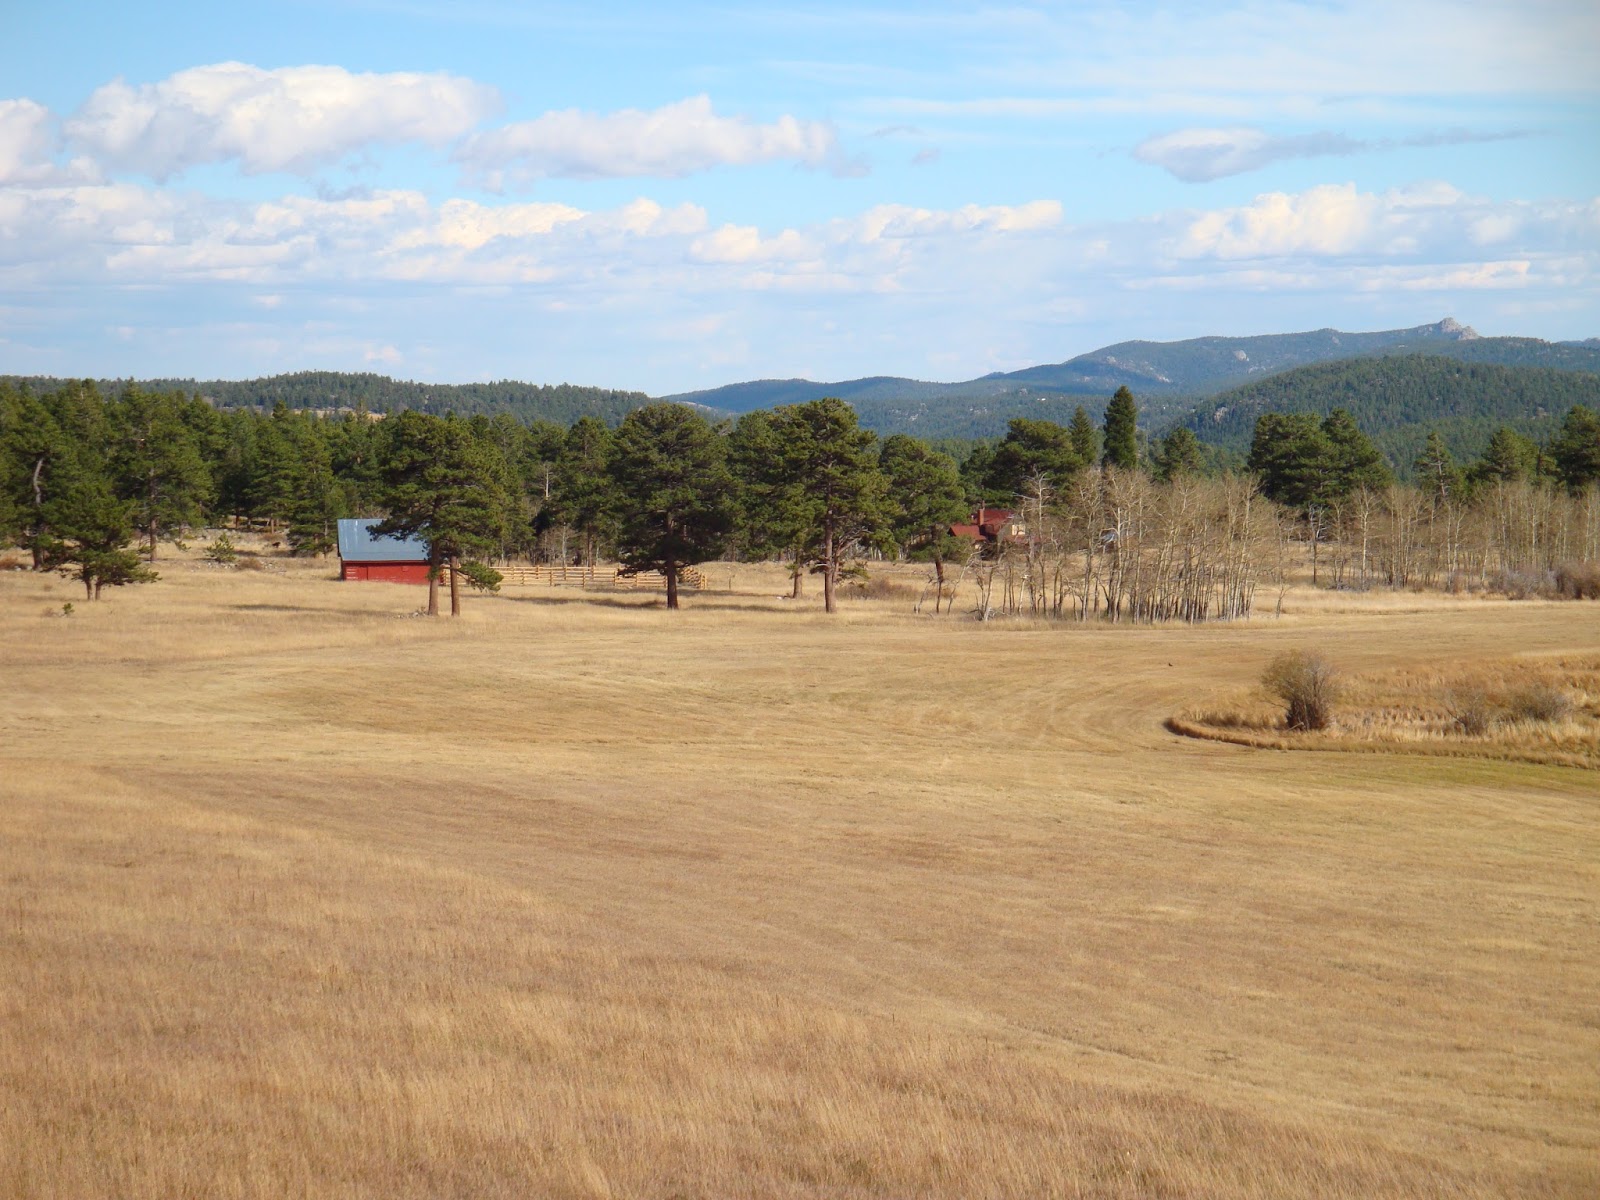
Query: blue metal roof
point(356, 544)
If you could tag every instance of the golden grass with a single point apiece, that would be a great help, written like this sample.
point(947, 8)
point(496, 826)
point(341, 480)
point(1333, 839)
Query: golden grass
point(1420, 709)
point(577, 897)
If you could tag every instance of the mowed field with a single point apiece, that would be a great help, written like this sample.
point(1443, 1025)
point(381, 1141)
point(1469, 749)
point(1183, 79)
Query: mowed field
point(575, 897)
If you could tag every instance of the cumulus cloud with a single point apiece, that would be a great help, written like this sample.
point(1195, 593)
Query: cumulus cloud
point(29, 144)
point(903, 221)
point(671, 141)
point(289, 119)
point(1201, 155)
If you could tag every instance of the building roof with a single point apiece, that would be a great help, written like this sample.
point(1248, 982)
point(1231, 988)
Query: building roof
point(356, 544)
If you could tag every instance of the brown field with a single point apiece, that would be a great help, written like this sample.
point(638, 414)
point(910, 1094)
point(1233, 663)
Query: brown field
point(576, 897)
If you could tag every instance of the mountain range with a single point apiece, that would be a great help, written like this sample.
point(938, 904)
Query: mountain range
point(1168, 378)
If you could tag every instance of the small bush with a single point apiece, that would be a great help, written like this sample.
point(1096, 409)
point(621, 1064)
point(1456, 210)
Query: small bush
point(1539, 702)
point(1578, 580)
point(222, 551)
point(250, 562)
point(1520, 585)
point(1472, 710)
point(1307, 685)
point(877, 587)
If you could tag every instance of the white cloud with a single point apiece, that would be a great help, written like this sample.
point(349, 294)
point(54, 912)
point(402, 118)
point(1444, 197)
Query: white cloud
point(1331, 219)
point(1201, 155)
point(901, 221)
point(29, 142)
point(289, 119)
point(671, 141)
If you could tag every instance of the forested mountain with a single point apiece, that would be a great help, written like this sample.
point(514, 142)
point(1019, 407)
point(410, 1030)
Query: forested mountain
point(1399, 400)
point(1167, 377)
point(562, 403)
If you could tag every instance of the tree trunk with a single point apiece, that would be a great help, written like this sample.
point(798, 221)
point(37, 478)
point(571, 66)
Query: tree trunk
point(455, 587)
point(797, 575)
point(671, 572)
point(435, 560)
point(151, 534)
point(830, 571)
point(88, 589)
point(938, 587)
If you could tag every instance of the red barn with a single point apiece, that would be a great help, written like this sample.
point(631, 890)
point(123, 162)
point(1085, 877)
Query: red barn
point(380, 560)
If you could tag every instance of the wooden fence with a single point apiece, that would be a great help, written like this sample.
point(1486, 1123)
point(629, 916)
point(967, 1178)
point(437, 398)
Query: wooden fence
point(588, 576)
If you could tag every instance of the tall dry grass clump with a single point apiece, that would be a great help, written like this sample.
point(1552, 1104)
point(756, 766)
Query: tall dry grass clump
point(1307, 685)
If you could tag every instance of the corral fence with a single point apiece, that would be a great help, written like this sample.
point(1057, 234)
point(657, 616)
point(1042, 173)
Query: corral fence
point(602, 578)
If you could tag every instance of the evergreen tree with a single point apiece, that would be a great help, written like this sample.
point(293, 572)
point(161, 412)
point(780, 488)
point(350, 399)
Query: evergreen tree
point(1289, 453)
point(1508, 457)
point(1437, 473)
point(831, 469)
point(317, 501)
point(1576, 450)
point(89, 543)
point(926, 497)
point(1084, 436)
point(41, 463)
point(156, 463)
point(1353, 461)
point(1121, 432)
point(585, 497)
point(1031, 449)
point(673, 491)
point(445, 488)
point(770, 514)
point(1178, 455)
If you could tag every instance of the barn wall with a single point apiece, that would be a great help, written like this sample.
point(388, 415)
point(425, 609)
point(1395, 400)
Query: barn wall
point(404, 572)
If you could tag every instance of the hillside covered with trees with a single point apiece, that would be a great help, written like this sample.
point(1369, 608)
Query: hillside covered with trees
point(562, 403)
point(1399, 401)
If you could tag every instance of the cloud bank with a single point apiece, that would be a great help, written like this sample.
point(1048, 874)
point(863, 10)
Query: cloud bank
point(672, 141)
point(1202, 155)
point(290, 119)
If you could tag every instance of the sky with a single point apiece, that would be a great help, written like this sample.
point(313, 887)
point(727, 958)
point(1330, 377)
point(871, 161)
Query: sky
point(671, 197)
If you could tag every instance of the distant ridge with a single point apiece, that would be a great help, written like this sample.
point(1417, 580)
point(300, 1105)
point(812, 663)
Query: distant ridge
point(1194, 367)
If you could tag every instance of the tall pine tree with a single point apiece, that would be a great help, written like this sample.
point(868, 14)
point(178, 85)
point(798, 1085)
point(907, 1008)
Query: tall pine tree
point(1122, 432)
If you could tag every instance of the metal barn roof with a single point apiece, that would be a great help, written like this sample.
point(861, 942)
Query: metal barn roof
point(356, 544)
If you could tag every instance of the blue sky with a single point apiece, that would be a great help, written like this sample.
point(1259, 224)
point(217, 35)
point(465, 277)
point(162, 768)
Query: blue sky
point(673, 197)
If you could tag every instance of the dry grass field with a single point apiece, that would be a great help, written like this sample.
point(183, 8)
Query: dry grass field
point(574, 897)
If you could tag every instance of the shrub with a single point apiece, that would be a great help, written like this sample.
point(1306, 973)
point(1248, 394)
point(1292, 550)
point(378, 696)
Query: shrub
point(1540, 702)
point(1471, 709)
point(877, 587)
point(1578, 580)
point(1307, 685)
point(1520, 585)
point(222, 551)
point(251, 563)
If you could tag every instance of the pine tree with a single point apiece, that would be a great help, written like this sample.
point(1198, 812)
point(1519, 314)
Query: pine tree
point(673, 491)
point(585, 496)
point(1029, 450)
point(156, 463)
point(1289, 453)
point(1353, 461)
point(1121, 432)
point(445, 488)
point(1178, 455)
point(926, 498)
point(90, 539)
point(1508, 457)
point(831, 469)
point(770, 516)
point(1437, 473)
point(1576, 450)
point(1084, 436)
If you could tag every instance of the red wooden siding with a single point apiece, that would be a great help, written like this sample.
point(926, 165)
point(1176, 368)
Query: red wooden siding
point(401, 572)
